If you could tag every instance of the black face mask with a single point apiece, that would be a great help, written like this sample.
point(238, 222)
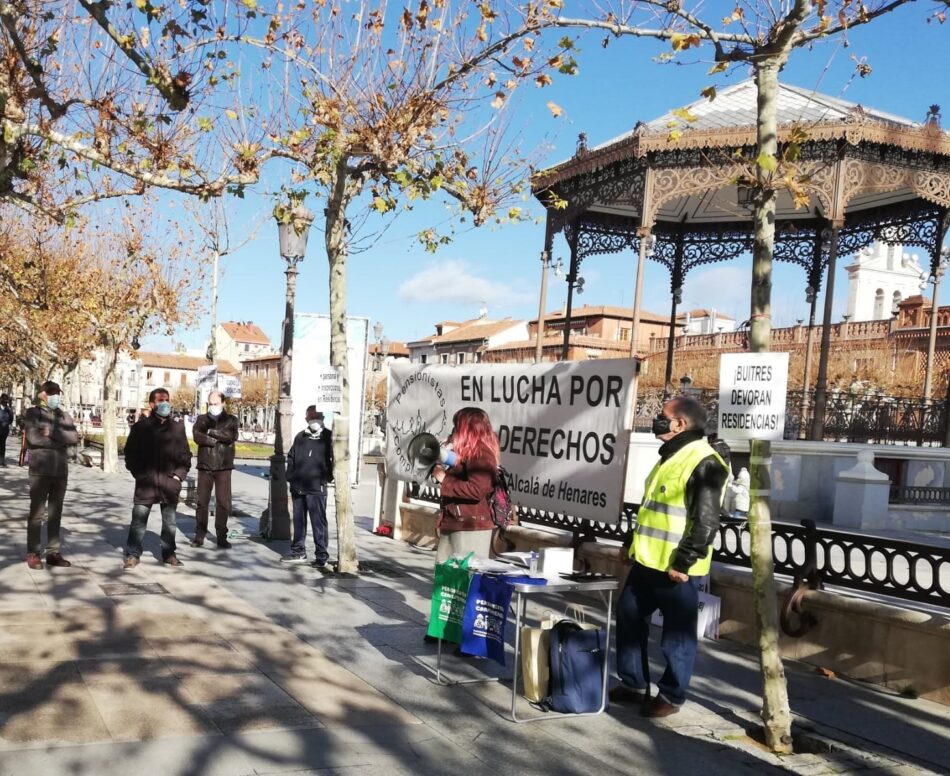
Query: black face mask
point(661, 425)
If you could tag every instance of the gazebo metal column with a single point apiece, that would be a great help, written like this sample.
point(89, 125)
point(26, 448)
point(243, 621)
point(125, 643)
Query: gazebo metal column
point(676, 291)
point(814, 286)
point(571, 280)
point(821, 384)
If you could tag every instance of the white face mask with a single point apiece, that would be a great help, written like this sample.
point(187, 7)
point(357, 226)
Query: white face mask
point(215, 410)
point(315, 425)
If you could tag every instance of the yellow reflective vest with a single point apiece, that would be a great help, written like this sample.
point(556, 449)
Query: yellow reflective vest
point(661, 519)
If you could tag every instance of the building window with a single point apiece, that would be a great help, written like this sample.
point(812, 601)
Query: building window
point(879, 304)
point(148, 375)
point(623, 334)
point(423, 358)
point(168, 377)
point(184, 379)
point(460, 358)
point(444, 358)
point(247, 347)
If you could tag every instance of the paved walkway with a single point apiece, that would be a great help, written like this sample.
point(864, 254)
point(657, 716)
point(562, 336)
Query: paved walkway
point(236, 665)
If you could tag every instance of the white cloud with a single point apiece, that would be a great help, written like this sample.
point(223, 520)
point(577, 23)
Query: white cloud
point(725, 288)
point(453, 281)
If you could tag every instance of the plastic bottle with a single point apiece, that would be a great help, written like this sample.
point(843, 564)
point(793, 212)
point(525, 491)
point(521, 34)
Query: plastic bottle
point(533, 563)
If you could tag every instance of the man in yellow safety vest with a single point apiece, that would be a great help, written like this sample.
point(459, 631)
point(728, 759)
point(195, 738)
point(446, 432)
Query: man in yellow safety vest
point(672, 550)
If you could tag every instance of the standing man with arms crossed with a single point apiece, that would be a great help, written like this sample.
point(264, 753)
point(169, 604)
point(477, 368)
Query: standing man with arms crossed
point(158, 456)
point(6, 422)
point(309, 469)
point(215, 433)
point(672, 549)
point(49, 431)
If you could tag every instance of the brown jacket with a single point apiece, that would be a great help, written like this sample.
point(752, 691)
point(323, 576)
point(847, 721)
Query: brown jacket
point(48, 434)
point(464, 497)
point(156, 453)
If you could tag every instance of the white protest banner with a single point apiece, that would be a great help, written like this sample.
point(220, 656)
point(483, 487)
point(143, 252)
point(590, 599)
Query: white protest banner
point(230, 386)
point(328, 389)
point(752, 389)
point(562, 427)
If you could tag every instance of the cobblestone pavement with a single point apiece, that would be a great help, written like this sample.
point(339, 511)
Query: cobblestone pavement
point(238, 665)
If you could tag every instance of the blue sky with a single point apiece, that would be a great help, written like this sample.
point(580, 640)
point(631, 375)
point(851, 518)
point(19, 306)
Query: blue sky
point(397, 283)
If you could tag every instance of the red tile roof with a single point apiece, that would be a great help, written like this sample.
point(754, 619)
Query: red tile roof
point(181, 361)
point(246, 331)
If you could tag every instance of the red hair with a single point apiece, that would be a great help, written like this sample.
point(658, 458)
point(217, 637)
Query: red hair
point(473, 436)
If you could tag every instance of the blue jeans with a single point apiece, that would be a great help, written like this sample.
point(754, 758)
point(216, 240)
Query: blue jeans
point(646, 591)
point(314, 504)
point(140, 513)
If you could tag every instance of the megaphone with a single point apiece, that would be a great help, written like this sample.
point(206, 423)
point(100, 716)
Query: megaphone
point(424, 452)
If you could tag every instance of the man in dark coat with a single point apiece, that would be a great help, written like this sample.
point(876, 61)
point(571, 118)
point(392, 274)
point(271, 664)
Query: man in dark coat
point(309, 469)
point(6, 421)
point(158, 456)
point(49, 431)
point(215, 433)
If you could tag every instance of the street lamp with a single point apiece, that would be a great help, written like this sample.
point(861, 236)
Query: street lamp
point(293, 226)
point(936, 272)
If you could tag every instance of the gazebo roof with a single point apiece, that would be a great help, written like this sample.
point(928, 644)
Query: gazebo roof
point(735, 107)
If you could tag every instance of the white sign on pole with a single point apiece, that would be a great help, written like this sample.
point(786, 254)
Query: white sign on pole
point(563, 427)
point(230, 386)
point(328, 389)
point(752, 390)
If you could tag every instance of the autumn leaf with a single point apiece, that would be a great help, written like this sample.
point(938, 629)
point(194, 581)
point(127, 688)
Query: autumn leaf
point(709, 93)
point(766, 162)
point(682, 41)
point(543, 80)
point(719, 67)
point(685, 115)
point(674, 135)
point(231, 114)
point(556, 110)
point(251, 5)
point(499, 100)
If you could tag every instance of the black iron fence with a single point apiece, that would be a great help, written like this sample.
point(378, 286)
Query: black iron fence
point(849, 417)
point(889, 567)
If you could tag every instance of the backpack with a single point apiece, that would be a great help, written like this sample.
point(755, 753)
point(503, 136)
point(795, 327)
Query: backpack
point(499, 501)
point(576, 657)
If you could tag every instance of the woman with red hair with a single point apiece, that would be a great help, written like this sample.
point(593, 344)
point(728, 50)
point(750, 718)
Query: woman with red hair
point(465, 523)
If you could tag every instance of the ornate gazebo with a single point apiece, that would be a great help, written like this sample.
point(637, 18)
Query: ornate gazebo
point(672, 191)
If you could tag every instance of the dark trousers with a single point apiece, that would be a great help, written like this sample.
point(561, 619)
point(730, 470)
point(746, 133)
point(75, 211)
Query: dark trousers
point(3, 449)
point(220, 481)
point(46, 497)
point(140, 513)
point(314, 504)
point(646, 591)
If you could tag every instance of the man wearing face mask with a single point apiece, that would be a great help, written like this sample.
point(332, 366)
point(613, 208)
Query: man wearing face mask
point(158, 456)
point(49, 431)
point(671, 551)
point(215, 433)
point(309, 469)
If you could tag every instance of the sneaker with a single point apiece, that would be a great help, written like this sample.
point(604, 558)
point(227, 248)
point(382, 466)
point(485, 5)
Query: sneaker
point(172, 560)
point(55, 559)
point(224, 544)
point(196, 542)
point(321, 564)
point(34, 561)
point(130, 562)
point(294, 557)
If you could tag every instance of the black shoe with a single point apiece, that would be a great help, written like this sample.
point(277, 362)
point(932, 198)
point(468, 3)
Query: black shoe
point(224, 544)
point(623, 693)
point(294, 557)
point(196, 542)
point(321, 564)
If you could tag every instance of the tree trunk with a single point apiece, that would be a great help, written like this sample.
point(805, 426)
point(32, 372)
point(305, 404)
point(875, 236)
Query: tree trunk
point(110, 443)
point(336, 256)
point(776, 715)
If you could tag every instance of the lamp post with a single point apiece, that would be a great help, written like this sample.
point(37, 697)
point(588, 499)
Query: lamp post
point(574, 283)
point(293, 226)
point(936, 273)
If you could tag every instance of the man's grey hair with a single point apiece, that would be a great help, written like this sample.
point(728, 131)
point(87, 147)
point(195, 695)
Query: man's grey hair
point(690, 410)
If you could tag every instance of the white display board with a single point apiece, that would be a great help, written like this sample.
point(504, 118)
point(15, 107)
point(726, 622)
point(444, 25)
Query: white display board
point(311, 359)
point(563, 427)
point(752, 392)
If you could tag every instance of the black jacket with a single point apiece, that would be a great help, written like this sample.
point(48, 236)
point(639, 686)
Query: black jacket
point(6, 420)
point(703, 497)
point(155, 453)
point(215, 437)
point(48, 434)
point(310, 461)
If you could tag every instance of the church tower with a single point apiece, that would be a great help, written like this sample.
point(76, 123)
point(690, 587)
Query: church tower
point(881, 276)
